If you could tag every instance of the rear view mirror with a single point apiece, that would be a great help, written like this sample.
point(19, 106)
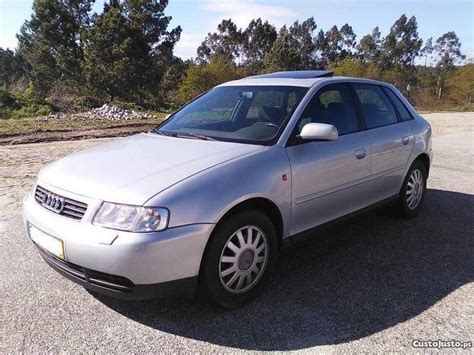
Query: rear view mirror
point(246, 95)
point(319, 131)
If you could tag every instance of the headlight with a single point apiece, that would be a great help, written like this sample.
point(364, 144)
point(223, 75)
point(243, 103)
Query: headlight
point(131, 218)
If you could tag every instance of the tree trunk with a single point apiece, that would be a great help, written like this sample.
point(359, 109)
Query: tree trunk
point(440, 86)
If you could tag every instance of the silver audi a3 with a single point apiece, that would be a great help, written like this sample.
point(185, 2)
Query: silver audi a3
point(204, 202)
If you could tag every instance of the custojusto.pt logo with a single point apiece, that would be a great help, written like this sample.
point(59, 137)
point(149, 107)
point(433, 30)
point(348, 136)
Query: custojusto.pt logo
point(441, 344)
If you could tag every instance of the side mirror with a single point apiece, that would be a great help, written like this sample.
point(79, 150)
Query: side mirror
point(319, 131)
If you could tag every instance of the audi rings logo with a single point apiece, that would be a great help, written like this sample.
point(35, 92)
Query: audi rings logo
point(53, 202)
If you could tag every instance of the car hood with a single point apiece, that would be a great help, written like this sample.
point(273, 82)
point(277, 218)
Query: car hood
point(133, 169)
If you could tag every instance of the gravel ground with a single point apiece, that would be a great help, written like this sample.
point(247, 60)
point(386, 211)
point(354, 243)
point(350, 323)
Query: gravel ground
point(373, 284)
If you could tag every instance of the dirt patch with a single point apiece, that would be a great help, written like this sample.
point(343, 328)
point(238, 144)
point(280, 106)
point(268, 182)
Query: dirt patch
point(450, 122)
point(74, 134)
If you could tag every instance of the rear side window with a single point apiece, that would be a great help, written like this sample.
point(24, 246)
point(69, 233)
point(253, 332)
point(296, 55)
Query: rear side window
point(332, 105)
point(377, 109)
point(402, 110)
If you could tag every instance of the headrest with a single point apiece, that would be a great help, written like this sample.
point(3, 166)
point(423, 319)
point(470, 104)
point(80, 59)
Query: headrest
point(270, 114)
point(336, 107)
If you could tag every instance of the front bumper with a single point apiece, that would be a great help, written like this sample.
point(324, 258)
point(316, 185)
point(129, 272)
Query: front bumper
point(118, 286)
point(122, 264)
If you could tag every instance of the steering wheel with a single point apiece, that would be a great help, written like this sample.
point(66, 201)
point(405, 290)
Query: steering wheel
point(272, 125)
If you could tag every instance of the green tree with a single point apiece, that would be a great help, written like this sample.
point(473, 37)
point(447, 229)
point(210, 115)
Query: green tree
point(258, 39)
point(169, 85)
point(52, 41)
point(448, 51)
point(348, 42)
point(294, 48)
point(12, 66)
point(283, 55)
point(148, 18)
point(336, 44)
point(301, 37)
point(7, 59)
point(399, 50)
point(402, 45)
point(369, 47)
point(116, 55)
point(427, 49)
point(225, 44)
point(129, 49)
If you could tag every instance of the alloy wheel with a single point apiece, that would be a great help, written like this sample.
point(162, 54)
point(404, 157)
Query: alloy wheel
point(415, 189)
point(243, 259)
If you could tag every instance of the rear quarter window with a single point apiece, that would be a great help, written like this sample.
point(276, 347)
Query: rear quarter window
point(405, 115)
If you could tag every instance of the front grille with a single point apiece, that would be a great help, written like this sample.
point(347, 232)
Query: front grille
point(61, 205)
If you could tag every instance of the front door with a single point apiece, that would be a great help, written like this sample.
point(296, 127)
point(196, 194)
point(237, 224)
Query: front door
point(329, 178)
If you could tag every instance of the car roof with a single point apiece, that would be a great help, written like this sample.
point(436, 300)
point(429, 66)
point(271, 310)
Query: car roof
point(301, 78)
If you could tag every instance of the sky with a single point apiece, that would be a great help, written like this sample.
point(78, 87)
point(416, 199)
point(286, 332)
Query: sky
point(198, 17)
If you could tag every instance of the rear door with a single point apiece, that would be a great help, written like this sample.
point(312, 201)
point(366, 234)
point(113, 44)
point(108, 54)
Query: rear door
point(329, 178)
point(390, 137)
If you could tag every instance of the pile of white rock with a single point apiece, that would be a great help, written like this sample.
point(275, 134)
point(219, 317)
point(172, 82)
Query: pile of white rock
point(105, 112)
point(113, 113)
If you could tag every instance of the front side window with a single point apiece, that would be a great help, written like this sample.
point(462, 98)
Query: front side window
point(377, 109)
point(402, 110)
point(332, 105)
point(249, 114)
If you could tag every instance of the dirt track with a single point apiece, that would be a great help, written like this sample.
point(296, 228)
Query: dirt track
point(373, 284)
point(74, 134)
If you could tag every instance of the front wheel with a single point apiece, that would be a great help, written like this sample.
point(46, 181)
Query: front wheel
point(239, 258)
point(413, 190)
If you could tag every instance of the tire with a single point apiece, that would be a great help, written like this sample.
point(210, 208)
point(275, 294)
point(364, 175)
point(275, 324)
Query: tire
point(413, 185)
point(226, 268)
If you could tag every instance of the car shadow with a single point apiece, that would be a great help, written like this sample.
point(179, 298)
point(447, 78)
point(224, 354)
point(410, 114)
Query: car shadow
point(347, 282)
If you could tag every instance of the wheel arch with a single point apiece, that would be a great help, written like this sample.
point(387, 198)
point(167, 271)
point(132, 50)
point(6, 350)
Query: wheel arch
point(262, 204)
point(256, 203)
point(425, 160)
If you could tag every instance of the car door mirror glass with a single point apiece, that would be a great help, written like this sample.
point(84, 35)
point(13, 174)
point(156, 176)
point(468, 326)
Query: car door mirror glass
point(319, 131)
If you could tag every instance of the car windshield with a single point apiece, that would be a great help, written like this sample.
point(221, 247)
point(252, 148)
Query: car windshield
point(247, 114)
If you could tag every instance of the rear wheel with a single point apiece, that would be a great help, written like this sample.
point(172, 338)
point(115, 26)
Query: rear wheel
point(413, 190)
point(239, 258)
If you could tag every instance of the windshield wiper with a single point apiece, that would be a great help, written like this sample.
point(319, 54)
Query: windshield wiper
point(194, 135)
point(183, 135)
point(157, 131)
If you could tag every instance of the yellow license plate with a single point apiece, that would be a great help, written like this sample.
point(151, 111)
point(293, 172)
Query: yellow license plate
point(49, 243)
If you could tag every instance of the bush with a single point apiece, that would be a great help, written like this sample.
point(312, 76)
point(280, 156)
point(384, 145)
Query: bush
point(199, 78)
point(349, 67)
point(8, 101)
point(22, 105)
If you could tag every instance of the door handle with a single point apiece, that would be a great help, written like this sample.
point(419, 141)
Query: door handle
point(360, 153)
point(405, 140)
